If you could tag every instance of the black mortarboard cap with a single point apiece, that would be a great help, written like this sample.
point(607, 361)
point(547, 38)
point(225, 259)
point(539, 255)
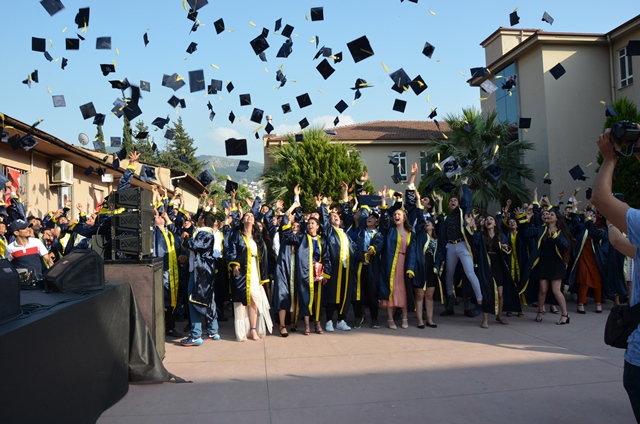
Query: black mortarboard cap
point(494, 171)
point(122, 154)
point(524, 123)
point(360, 83)
point(399, 105)
point(304, 123)
point(219, 25)
point(371, 201)
point(89, 170)
point(174, 101)
point(196, 81)
point(26, 142)
point(396, 178)
point(418, 85)
point(132, 111)
point(259, 44)
point(116, 163)
point(232, 117)
point(303, 100)
point(103, 43)
point(101, 171)
point(278, 25)
point(281, 77)
point(160, 122)
point(52, 6)
point(256, 135)
point(169, 134)
point(4, 136)
point(269, 128)
point(142, 135)
point(633, 48)
point(286, 49)
point(394, 87)
point(154, 146)
point(557, 71)
point(317, 13)
point(433, 113)
point(216, 85)
point(48, 56)
point(299, 138)
point(97, 144)
point(393, 160)
point(286, 108)
point(514, 19)
point(341, 106)
point(82, 17)
point(231, 185)
point(325, 69)
point(589, 193)
point(336, 121)
point(38, 44)
point(245, 99)
point(577, 173)
point(360, 49)
point(428, 49)
point(192, 15)
point(116, 142)
point(235, 146)
point(256, 115)
point(479, 72)
point(107, 68)
point(183, 158)
point(547, 18)
point(468, 126)
point(63, 63)
point(145, 38)
point(205, 178)
point(72, 44)
point(243, 166)
point(337, 58)
point(326, 51)
point(197, 4)
point(192, 47)
point(147, 173)
point(400, 78)
point(263, 57)
point(173, 82)
point(547, 180)
point(230, 87)
point(447, 187)
point(610, 111)
point(287, 31)
point(122, 85)
point(99, 119)
point(318, 54)
point(58, 101)
point(87, 110)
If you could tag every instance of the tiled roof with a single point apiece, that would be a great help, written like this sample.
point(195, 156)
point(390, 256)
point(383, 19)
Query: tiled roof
point(386, 130)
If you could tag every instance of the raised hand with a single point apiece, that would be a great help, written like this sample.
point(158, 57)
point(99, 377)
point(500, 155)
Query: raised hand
point(133, 157)
point(296, 190)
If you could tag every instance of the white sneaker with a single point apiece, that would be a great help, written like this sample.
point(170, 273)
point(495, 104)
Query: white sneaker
point(329, 326)
point(342, 325)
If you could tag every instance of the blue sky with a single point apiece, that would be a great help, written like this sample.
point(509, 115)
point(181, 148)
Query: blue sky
point(396, 30)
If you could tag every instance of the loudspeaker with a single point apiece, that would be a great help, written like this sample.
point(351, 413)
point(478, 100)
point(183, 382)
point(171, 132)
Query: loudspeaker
point(132, 198)
point(141, 221)
point(140, 244)
point(81, 270)
point(9, 290)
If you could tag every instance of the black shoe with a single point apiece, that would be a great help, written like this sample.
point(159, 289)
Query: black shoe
point(469, 313)
point(173, 333)
point(580, 311)
point(432, 325)
point(447, 312)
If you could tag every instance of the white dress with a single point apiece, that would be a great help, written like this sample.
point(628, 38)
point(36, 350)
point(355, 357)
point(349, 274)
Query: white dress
point(259, 297)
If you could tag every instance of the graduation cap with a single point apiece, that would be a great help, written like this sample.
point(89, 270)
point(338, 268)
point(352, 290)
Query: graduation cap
point(304, 123)
point(468, 126)
point(447, 187)
point(256, 116)
point(122, 85)
point(48, 56)
point(219, 26)
point(514, 19)
point(82, 17)
point(589, 193)
point(245, 99)
point(400, 78)
point(89, 170)
point(287, 31)
point(160, 122)
point(494, 171)
point(147, 173)
point(215, 86)
point(428, 49)
point(371, 201)
point(433, 113)
point(256, 135)
point(325, 69)
point(331, 132)
point(183, 158)
point(337, 58)
point(169, 134)
point(52, 6)
point(107, 68)
point(577, 173)
point(4, 135)
point(192, 47)
point(269, 128)
point(263, 57)
point(72, 44)
point(524, 123)
point(299, 137)
point(396, 178)
point(318, 53)
point(278, 25)
point(286, 49)
point(610, 111)
point(26, 142)
point(335, 122)
point(303, 100)
point(87, 110)
point(116, 142)
point(418, 85)
point(101, 171)
point(145, 38)
point(232, 117)
point(230, 87)
point(243, 166)
point(205, 178)
point(510, 82)
point(557, 71)
point(479, 72)
point(341, 106)
point(281, 78)
point(116, 163)
point(174, 101)
point(192, 15)
point(142, 135)
point(546, 179)
point(173, 81)
point(230, 186)
point(196, 81)
point(399, 105)
point(633, 48)
point(259, 44)
point(122, 154)
point(132, 111)
point(360, 49)
point(361, 83)
point(317, 14)
point(38, 44)
point(99, 119)
point(58, 101)
point(235, 147)
point(63, 63)
point(103, 43)
point(286, 108)
point(393, 160)
point(488, 86)
point(547, 18)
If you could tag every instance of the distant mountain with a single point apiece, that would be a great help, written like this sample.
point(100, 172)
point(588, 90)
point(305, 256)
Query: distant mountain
point(228, 166)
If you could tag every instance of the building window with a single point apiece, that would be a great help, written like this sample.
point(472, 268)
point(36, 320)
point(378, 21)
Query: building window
point(424, 164)
point(626, 69)
point(402, 167)
point(507, 98)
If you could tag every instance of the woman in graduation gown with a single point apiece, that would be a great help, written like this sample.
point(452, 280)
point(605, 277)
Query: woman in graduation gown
point(246, 256)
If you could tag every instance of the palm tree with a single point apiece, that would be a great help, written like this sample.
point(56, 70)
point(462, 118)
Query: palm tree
point(479, 143)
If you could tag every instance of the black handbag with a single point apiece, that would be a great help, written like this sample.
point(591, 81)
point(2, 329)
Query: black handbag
point(622, 321)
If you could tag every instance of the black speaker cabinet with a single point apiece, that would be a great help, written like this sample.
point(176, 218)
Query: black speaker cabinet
point(140, 244)
point(132, 198)
point(9, 290)
point(81, 270)
point(140, 221)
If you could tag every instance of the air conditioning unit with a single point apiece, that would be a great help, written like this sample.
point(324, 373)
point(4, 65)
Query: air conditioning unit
point(61, 172)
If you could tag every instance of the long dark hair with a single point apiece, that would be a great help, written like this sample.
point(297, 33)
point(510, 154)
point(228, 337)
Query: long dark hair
point(488, 240)
point(562, 225)
point(255, 232)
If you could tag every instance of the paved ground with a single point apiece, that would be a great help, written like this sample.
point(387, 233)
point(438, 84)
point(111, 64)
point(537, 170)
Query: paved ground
point(524, 372)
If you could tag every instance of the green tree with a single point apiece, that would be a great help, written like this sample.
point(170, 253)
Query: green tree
point(182, 144)
point(127, 139)
point(478, 142)
point(628, 168)
point(144, 146)
point(100, 137)
point(316, 164)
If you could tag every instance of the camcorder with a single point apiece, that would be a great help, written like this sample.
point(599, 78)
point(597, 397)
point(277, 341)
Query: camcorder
point(626, 135)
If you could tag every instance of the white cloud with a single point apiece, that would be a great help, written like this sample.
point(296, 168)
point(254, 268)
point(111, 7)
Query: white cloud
point(318, 121)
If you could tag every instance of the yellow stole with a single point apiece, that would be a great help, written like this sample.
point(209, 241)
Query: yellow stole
point(173, 266)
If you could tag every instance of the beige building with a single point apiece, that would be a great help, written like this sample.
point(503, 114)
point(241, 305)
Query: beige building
point(376, 141)
point(567, 114)
point(54, 171)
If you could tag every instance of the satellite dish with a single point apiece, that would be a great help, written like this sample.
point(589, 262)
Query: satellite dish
point(83, 139)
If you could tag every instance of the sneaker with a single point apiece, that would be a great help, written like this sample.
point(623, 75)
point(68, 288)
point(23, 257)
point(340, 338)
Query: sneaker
point(215, 336)
point(375, 324)
point(329, 326)
point(342, 325)
point(358, 323)
point(191, 341)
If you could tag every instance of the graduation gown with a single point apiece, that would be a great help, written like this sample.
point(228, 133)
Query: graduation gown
point(165, 248)
point(367, 270)
point(237, 254)
point(203, 298)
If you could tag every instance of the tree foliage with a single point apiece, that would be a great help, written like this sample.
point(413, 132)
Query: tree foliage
point(182, 144)
point(316, 164)
point(481, 141)
point(127, 138)
point(144, 146)
point(100, 138)
point(628, 168)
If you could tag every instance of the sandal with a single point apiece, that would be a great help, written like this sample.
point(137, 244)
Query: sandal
point(538, 317)
point(307, 330)
point(256, 337)
point(509, 314)
point(502, 321)
point(483, 325)
point(283, 331)
point(319, 328)
point(405, 323)
point(554, 310)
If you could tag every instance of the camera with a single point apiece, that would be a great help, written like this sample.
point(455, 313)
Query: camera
point(625, 132)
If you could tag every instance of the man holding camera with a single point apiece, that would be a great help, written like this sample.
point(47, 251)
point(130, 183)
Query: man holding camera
point(625, 219)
